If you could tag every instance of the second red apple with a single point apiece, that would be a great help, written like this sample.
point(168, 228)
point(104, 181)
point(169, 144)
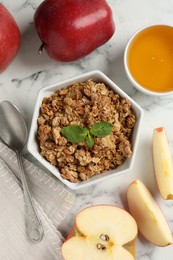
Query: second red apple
point(71, 29)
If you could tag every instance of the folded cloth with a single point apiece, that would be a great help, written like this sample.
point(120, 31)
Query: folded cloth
point(52, 200)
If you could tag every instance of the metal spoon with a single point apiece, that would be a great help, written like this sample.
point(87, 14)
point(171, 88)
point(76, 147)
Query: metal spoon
point(13, 132)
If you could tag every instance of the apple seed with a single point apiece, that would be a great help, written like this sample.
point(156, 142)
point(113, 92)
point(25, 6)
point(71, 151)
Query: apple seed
point(101, 246)
point(104, 237)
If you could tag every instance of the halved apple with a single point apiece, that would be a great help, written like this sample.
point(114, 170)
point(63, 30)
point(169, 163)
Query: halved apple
point(145, 210)
point(103, 232)
point(163, 164)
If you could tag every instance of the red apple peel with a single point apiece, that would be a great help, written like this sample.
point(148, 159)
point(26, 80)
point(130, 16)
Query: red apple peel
point(9, 38)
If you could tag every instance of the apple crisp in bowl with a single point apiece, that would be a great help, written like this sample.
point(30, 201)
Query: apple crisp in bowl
point(85, 130)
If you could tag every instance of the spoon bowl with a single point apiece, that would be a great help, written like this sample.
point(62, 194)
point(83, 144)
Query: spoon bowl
point(13, 132)
point(13, 129)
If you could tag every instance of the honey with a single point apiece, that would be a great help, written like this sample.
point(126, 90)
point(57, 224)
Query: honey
point(150, 58)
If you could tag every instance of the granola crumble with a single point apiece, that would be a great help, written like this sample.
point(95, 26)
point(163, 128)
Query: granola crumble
point(84, 104)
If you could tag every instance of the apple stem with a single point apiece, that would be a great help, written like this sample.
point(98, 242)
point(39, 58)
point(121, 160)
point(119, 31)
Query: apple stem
point(40, 50)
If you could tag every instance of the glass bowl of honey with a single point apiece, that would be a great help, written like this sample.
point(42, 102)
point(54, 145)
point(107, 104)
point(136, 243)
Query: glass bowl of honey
point(148, 60)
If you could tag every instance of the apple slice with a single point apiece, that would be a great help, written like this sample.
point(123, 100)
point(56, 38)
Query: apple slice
point(103, 232)
point(150, 220)
point(163, 164)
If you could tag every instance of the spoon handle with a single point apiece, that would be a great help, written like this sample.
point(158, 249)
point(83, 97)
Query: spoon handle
point(33, 223)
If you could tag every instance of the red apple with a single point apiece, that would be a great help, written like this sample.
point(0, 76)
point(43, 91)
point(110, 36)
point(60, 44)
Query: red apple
point(9, 38)
point(71, 29)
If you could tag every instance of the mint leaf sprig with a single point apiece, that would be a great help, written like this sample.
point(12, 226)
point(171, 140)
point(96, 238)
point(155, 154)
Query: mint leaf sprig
point(77, 134)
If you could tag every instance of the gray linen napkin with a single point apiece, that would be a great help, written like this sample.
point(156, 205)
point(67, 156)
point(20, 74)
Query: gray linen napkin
point(51, 199)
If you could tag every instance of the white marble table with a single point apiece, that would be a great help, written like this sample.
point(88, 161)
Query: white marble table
point(30, 72)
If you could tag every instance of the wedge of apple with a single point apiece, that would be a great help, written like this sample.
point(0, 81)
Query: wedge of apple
point(163, 164)
point(145, 210)
point(103, 232)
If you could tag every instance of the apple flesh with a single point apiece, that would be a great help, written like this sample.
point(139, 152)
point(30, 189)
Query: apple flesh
point(163, 164)
point(103, 232)
point(9, 38)
point(71, 29)
point(145, 210)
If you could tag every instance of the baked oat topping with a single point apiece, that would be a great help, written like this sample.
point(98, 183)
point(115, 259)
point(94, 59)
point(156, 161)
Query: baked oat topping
point(85, 104)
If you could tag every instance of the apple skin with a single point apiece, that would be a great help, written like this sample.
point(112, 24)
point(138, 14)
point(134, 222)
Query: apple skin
point(94, 221)
point(163, 164)
point(9, 38)
point(71, 29)
point(149, 217)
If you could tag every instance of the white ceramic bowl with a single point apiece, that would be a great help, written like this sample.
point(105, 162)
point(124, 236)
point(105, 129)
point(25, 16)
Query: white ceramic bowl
point(127, 70)
point(33, 145)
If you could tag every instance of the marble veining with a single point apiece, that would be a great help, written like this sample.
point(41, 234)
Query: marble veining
point(30, 72)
